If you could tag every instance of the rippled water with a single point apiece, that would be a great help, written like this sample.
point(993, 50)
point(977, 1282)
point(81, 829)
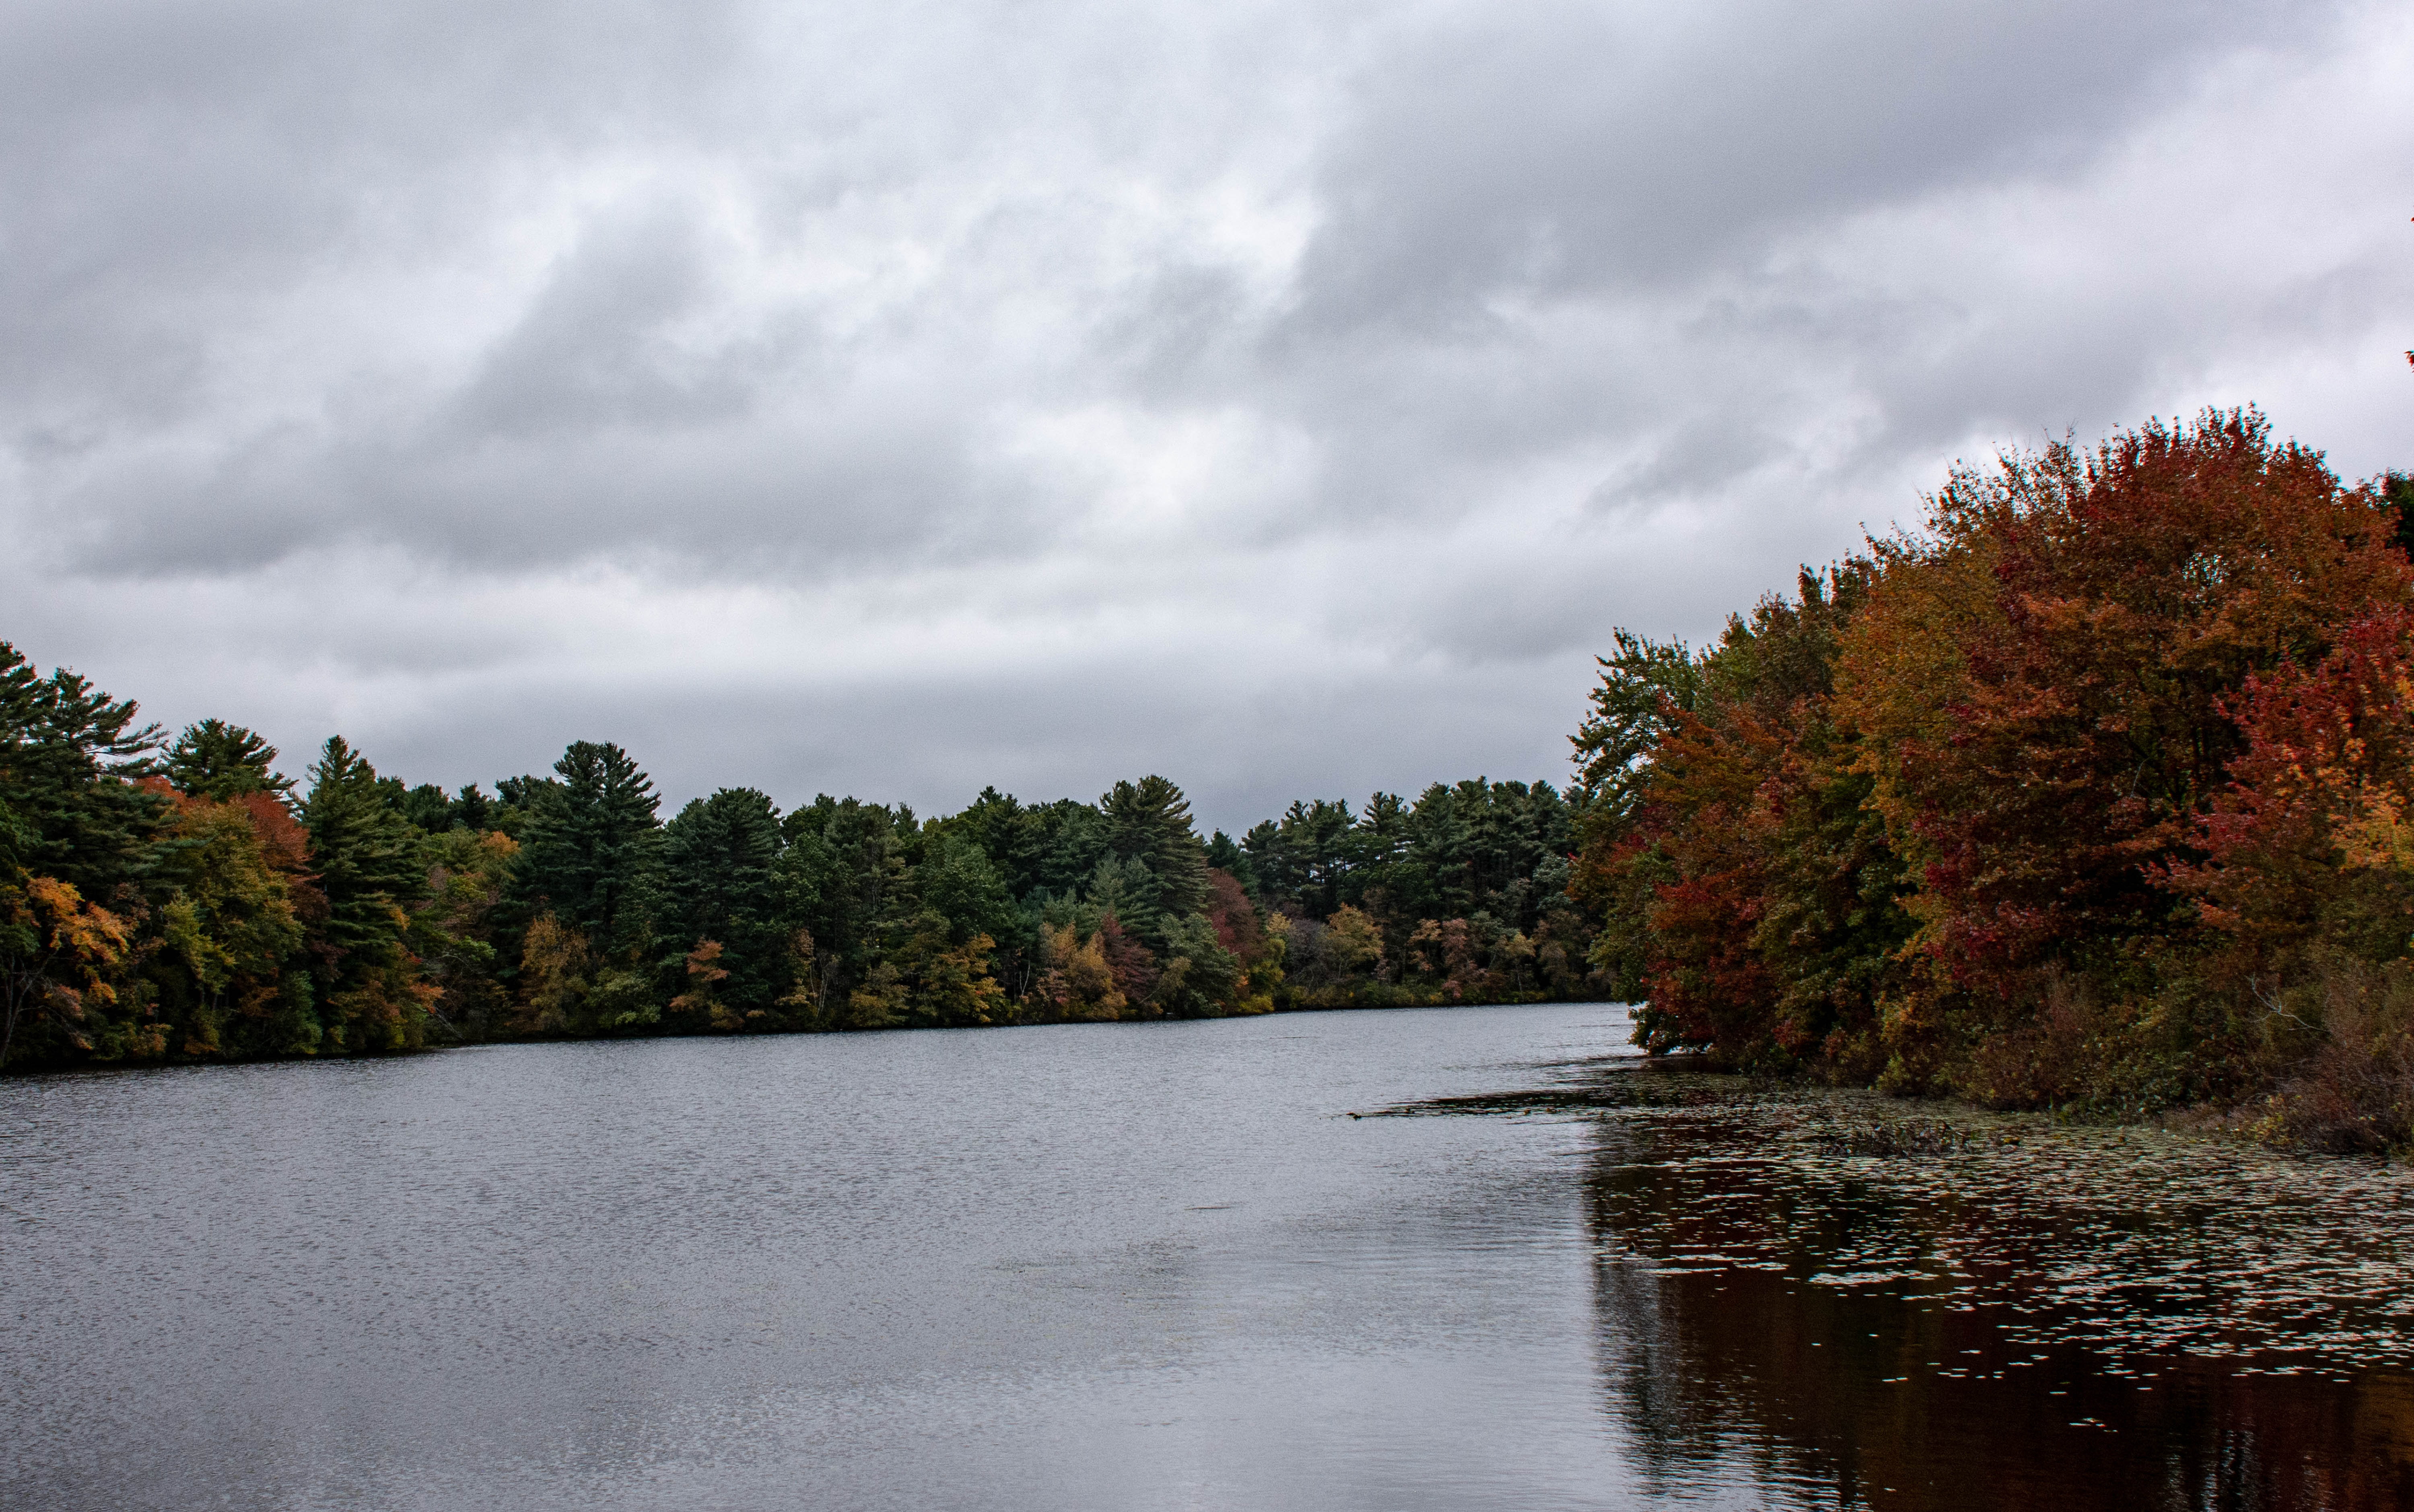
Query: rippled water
point(1128, 1265)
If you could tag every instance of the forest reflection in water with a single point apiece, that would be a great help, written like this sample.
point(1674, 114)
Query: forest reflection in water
point(1870, 1302)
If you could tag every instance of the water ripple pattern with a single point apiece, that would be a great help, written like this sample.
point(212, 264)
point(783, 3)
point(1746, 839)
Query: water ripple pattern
point(1168, 1267)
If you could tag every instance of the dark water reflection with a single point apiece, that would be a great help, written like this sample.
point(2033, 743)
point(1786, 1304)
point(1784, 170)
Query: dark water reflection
point(1156, 1267)
point(1872, 1301)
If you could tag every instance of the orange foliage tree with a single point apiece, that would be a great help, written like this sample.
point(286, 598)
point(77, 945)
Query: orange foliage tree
point(2312, 839)
point(2023, 777)
point(2044, 681)
point(58, 956)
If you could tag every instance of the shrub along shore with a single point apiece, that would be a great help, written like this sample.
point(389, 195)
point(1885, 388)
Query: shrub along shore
point(2091, 792)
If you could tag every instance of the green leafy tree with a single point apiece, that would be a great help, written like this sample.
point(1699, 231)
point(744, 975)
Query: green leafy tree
point(455, 929)
point(1011, 837)
point(229, 929)
point(471, 809)
point(1317, 834)
point(1198, 976)
point(2396, 489)
point(1071, 839)
point(1267, 851)
point(516, 802)
point(1224, 854)
point(427, 807)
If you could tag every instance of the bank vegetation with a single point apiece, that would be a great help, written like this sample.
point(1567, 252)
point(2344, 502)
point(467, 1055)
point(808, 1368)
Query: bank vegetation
point(2091, 792)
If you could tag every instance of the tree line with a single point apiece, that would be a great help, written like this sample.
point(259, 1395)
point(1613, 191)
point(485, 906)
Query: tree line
point(2092, 791)
point(174, 900)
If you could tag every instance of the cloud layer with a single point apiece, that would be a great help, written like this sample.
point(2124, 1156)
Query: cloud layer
point(1288, 400)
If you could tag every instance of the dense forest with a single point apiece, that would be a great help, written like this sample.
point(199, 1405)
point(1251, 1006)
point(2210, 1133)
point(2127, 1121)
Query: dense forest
point(2094, 791)
point(182, 900)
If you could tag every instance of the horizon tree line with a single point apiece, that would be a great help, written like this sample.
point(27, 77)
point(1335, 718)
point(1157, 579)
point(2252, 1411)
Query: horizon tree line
point(179, 900)
point(2097, 790)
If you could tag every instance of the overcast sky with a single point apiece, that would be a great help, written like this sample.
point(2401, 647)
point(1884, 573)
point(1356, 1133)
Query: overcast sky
point(1285, 397)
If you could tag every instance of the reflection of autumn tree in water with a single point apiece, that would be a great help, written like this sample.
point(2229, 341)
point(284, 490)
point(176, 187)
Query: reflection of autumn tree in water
point(1709, 1366)
point(1887, 1395)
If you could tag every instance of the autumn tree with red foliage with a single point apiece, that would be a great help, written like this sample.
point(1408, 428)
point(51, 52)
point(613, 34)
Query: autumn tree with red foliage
point(1750, 892)
point(2083, 621)
point(2028, 775)
point(2311, 840)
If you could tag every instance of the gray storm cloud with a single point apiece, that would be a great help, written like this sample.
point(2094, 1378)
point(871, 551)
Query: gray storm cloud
point(1288, 400)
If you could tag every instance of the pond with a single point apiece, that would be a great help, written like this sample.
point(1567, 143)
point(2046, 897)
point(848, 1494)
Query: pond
point(1164, 1265)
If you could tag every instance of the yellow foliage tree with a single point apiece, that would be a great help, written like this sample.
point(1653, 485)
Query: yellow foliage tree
point(57, 953)
point(1080, 983)
point(1353, 940)
point(553, 967)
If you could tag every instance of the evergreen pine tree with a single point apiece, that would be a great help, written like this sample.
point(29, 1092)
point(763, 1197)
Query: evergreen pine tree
point(593, 845)
point(366, 856)
point(1149, 821)
point(428, 808)
point(370, 867)
point(721, 882)
point(216, 760)
point(958, 879)
point(70, 758)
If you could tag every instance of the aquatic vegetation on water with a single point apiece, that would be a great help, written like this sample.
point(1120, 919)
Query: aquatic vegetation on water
point(1963, 1308)
point(2129, 1239)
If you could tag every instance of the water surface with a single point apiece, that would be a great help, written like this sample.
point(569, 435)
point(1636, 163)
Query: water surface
point(1161, 1266)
